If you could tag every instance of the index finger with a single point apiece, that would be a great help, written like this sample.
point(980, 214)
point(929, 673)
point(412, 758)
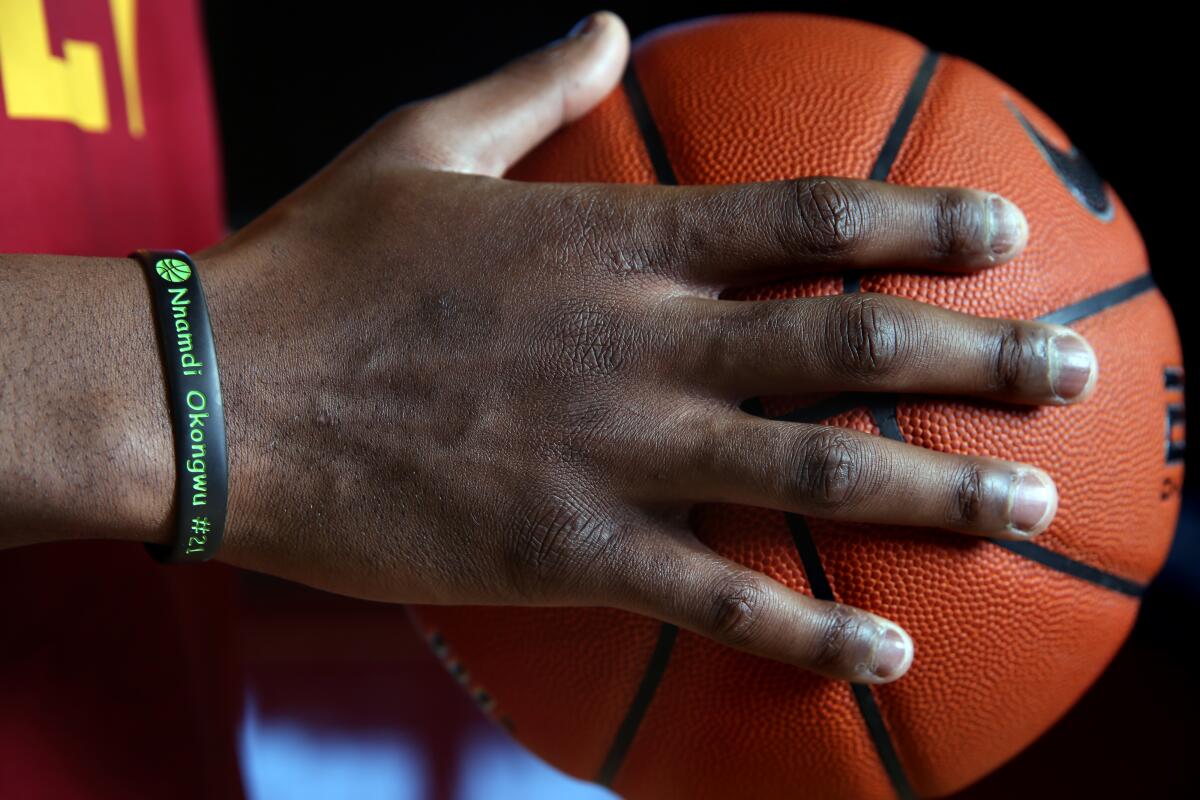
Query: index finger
point(730, 235)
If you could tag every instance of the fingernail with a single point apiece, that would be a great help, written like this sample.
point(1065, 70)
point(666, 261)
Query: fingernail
point(892, 654)
point(585, 26)
point(1071, 366)
point(1034, 502)
point(1007, 228)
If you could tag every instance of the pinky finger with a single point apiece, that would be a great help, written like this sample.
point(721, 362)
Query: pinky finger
point(695, 588)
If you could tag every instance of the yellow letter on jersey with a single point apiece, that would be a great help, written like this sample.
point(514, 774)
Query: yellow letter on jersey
point(40, 85)
point(124, 17)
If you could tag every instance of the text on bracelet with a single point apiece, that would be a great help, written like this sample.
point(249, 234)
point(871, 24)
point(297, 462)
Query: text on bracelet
point(197, 465)
point(183, 331)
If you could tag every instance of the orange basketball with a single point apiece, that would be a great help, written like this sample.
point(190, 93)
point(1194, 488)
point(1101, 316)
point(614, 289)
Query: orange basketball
point(1008, 635)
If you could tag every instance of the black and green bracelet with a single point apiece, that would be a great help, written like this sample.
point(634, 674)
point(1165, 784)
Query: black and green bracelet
point(197, 416)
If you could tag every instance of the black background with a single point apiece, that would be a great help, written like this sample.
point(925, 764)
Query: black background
point(295, 83)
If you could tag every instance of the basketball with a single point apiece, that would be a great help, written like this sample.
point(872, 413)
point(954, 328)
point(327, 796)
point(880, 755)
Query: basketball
point(656, 712)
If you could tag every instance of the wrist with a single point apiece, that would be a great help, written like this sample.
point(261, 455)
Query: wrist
point(240, 345)
point(86, 453)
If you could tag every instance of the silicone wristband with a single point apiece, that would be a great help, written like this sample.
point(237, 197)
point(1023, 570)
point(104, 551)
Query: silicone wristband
point(197, 416)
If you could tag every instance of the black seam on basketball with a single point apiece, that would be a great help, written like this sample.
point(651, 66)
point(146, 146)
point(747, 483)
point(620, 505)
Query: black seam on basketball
point(868, 708)
point(1176, 448)
point(655, 668)
point(904, 117)
point(656, 665)
point(1090, 306)
point(852, 282)
point(651, 136)
point(810, 559)
point(883, 414)
point(1069, 566)
point(824, 409)
point(1173, 378)
point(883, 411)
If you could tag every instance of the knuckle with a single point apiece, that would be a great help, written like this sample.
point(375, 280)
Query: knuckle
point(842, 628)
point(540, 71)
point(736, 611)
point(535, 67)
point(832, 469)
point(641, 256)
point(664, 232)
point(589, 340)
point(589, 225)
point(420, 115)
point(867, 337)
point(831, 217)
point(400, 120)
point(968, 501)
point(958, 224)
point(594, 345)
point(558, 539)
point(1014, 349)
point(615, 232)
point(414, 135)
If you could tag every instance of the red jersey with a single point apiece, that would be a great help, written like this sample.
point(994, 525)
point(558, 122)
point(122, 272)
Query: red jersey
point(116, 674)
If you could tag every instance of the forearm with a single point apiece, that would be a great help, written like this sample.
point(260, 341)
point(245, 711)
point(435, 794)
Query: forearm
point(85, 447)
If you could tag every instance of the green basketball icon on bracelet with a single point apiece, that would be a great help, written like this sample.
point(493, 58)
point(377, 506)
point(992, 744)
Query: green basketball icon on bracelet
point(173, 270)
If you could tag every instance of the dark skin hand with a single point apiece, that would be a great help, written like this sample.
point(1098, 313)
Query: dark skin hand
point(446, 387)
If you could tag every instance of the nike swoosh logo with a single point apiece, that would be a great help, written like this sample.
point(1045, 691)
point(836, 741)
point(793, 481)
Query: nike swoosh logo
point(1075, 171)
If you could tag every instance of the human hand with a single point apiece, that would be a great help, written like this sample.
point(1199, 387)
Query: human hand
point(446, 387)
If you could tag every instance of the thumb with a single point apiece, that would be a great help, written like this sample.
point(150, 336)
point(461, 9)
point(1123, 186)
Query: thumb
point(487, 126)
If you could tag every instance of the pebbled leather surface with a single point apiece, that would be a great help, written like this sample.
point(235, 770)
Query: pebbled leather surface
point(1003, 645)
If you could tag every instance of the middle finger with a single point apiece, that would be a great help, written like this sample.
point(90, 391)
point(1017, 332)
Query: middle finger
point(879, 343)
